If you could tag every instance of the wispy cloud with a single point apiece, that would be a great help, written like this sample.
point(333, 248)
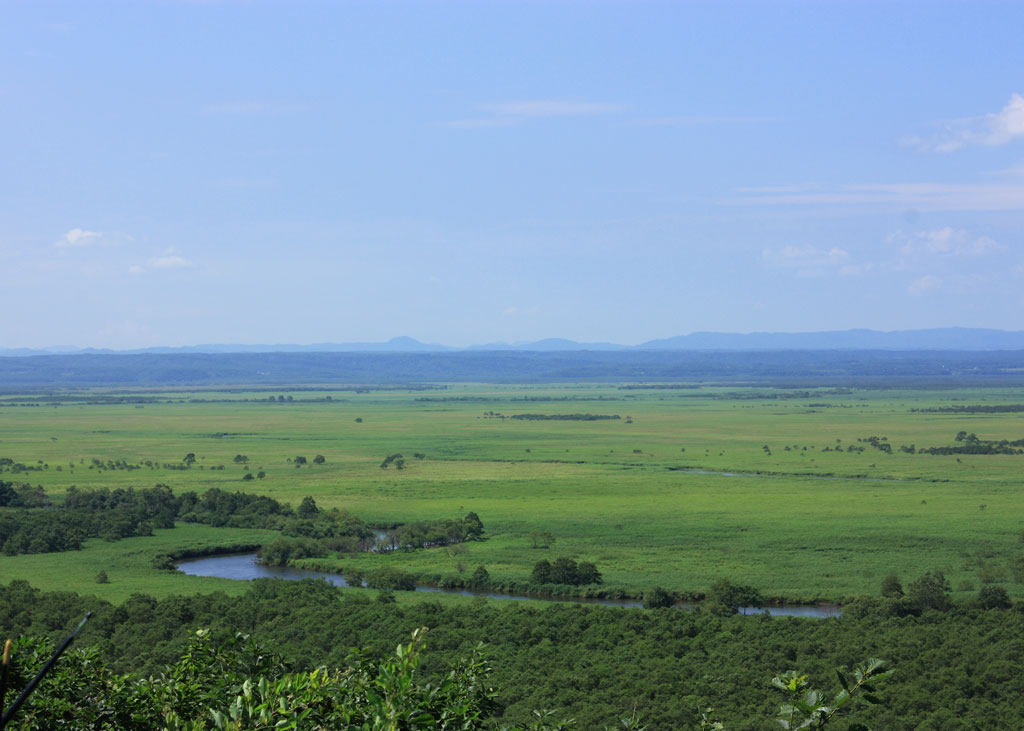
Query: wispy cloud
point(809, 260)
point(244, 182)
point(514, 311)
point(697, 119)
point(77, 237)
point(921, 196)
point(482, 122)
point(947, 284)
point(552, 108)
point(937, 259)
point(923, 285)
point(170, 259)
point(946, 242)
point(1014, 171)
point(997, 128)
point(252, 106)
point(506, 113)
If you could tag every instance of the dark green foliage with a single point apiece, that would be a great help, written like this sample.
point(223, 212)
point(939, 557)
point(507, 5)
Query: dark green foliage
point(806, 707)
point(235, 684)
point(956, 670)
point(971, 444)
point(993, 597)
point(319, 459)
point(307, 508)
point(107, 514)
point(22, 496)
point(163, 562)
point(564, 417)
point(122, 513)
point(931, 591)
point(973, 409)
point(658, 598)
point(23, 531)
point(282, 550)
point(644, 368)
point(891, 586)
point(428, 533)
point(731, 597)
point(473, 526)
point(541, 573)
point(388, 577)
point(7, 494)
point(481, 578)
point(565, 571)
point(101, 578)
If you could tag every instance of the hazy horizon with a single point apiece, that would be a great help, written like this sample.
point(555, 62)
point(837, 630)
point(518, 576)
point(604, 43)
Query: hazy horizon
point(240, 172)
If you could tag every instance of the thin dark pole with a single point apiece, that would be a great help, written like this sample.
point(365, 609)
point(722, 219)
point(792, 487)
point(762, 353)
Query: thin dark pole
point(41, 674)
point(3, 674)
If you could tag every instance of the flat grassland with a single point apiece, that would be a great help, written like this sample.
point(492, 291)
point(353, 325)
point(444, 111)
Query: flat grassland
point(667, 494)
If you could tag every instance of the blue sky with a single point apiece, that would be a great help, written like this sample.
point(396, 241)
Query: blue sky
point(467, 172)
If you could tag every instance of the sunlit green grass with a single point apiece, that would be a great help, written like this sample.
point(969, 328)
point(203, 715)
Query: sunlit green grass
point(816, 529)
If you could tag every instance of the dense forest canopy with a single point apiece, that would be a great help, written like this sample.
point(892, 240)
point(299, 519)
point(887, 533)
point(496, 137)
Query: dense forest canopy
point(823, 367)
point(954, 671)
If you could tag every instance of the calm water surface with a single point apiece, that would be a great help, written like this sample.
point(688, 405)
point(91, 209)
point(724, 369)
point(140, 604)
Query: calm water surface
point(243, 567)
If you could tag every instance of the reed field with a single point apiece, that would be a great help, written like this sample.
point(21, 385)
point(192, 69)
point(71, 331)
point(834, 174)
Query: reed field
point(777, 488)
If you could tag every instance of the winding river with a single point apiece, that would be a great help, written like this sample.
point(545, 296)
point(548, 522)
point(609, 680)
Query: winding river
point(243, 567)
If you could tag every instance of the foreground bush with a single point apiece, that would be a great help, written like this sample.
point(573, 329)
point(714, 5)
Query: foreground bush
point(237, 685)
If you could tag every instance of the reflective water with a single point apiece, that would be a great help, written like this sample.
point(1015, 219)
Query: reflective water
point(243, 567)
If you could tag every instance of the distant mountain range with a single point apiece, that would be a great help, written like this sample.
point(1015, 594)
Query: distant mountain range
point(950, 338)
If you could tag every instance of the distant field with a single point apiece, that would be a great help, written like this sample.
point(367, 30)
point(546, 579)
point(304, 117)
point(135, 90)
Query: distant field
point(819, 524)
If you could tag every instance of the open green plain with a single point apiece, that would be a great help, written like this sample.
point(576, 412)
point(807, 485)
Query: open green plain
point(815, 524)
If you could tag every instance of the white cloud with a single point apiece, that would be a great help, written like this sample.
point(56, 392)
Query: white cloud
point(989, 129)
point(77, 237)
point(478, 123)
point(243, 182)
point(507, 113)
point(698, 119)
point(809, 260)
point(253, 106)
point(551, 108)
point(1013, 171)
point(957, 284)
point(919, 196)
point(169, 260)
point(855, 270)
point(924, 284)
point(947, 242)
point(513, 311)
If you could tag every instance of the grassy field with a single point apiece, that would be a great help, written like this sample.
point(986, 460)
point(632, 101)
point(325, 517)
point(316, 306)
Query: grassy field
point(818, 523)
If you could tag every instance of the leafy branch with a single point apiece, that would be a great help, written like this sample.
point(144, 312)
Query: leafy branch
point(806, 707)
